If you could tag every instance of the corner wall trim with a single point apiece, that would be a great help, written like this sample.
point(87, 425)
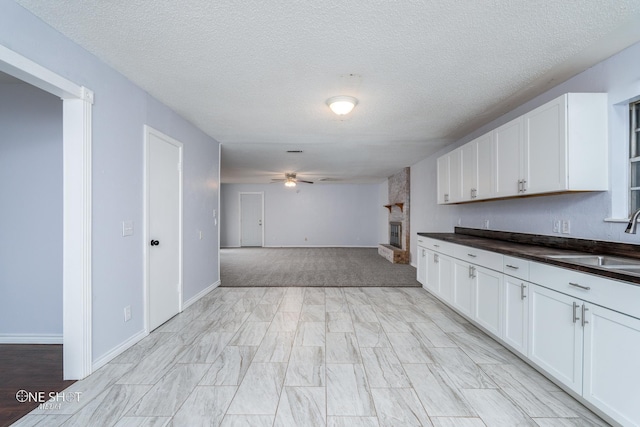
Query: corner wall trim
point(199, 295)
point(117, 351)
point(30, 339)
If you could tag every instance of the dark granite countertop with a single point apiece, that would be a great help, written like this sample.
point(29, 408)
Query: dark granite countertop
point(537, 248)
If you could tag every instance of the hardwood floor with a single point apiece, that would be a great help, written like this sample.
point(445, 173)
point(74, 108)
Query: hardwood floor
point(28, 367)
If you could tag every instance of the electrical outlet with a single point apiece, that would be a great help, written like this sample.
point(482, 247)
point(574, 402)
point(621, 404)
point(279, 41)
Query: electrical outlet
point(459, 221)
point(566, 226)
point(127, 313)
point(556, 225)
point(486, 224)
point(200, 234)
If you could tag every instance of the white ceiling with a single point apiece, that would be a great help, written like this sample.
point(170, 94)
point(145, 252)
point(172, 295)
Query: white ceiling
point(255, 74)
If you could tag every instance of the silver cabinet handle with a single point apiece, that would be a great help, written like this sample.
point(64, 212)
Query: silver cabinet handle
point(512, 266)
point(584, 320)
point(472, 255)
point(473, 272)
point(524, 185)
point(436, 246)
point(586, 288)
point(519, 186)
point(575, 308)
point(419, 241)
point(436, 258)
point(446, 197)
point(424, 253)
point(522, 288)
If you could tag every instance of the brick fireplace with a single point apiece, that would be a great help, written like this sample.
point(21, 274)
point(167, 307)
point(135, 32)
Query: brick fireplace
point(396, 250)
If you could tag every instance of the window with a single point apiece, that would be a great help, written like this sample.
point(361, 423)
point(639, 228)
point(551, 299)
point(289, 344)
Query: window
point(634, 157)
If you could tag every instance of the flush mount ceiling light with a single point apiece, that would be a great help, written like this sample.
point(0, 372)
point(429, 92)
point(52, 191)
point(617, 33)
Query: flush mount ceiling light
point(342, 105)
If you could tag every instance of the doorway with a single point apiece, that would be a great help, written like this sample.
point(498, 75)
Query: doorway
point(76, 217)
point(163, 227)
point(251, 219)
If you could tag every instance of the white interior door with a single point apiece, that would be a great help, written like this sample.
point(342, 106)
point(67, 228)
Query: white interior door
point(164, 219)
point(251, 219)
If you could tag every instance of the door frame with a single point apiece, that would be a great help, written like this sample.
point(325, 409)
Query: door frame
point(148, 131)
point(261, 193)
point(77, 103)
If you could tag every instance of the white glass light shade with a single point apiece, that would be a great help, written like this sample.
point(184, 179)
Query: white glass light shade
point(342, 105)
point(290, 183)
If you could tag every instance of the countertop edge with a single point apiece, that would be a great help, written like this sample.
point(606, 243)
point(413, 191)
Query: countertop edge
point(533, 252)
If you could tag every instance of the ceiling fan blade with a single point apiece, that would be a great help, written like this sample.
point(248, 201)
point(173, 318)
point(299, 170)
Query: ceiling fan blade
point(306, 182)
point(277, 180)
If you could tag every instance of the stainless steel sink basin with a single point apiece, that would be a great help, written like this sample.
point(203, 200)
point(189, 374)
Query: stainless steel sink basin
point(605, 261)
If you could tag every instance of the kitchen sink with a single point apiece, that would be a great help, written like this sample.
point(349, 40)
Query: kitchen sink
point(604, 261)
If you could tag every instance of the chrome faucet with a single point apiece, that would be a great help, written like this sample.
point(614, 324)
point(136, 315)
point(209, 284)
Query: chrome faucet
point(633, 223)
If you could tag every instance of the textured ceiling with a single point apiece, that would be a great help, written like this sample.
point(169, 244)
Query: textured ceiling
point(255, 74)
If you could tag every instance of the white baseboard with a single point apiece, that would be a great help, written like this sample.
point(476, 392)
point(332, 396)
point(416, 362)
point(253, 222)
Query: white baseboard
point(117, 351)
point(30, 339)
point(199, 295)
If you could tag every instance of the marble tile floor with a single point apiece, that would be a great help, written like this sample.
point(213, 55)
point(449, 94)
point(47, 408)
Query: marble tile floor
point(317, 357)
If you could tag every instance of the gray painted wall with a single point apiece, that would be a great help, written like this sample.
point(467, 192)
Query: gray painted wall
point(619, 76)
point(120, 110)
point(324, 214)
point(30, 212)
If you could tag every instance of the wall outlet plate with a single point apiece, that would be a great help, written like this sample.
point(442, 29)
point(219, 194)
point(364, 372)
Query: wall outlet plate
point(566, 226)
point(556, 225)
point(127, 313)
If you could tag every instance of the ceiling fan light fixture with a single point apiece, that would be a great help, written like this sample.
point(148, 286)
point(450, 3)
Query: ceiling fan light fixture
point(289, 182)
point(342, 105)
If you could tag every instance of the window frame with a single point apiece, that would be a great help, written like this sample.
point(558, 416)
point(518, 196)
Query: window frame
point(634, 157)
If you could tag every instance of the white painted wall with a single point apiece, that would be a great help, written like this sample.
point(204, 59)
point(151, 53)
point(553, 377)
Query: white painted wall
point(119, 113)
point(30, 215)
point(324, 214)
point(619, 76)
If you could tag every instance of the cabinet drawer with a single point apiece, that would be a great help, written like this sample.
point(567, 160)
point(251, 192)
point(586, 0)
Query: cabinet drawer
point(436, 245)
point(613, 294)
point(480, 257)
point(516, 267)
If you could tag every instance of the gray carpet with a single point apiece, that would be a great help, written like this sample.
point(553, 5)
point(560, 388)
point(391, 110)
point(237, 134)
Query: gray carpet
point(343, 267)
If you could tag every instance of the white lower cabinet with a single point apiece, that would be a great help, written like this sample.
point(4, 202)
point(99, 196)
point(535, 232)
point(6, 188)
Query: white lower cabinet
point(516, 313)
point(557, 318)
point(555, 335)
point(445, 271)
point(612, 364)
point(487, 289)
point(463, 286)
point(422, 265)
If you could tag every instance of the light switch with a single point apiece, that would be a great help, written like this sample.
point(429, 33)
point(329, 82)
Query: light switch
point(127, 228)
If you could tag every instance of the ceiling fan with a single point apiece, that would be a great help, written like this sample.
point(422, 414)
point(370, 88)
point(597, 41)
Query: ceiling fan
point(290, 180)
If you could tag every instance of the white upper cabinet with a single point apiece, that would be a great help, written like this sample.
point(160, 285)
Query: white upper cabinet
point(477, 168)
point(558, 147)
point(508, 150)
point(450, 177)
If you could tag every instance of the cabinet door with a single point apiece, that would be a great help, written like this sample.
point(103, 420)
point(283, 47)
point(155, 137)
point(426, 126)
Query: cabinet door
point(455, 175)
point(422, 266)
point(611, 364)
point(488, 297)
point(507, 149)
point(469, 157)
point(485, 162)
point(433, 272)
point(545, 148)
point(445, 266)
point(555, 335)
point(443, 180)
point(516, 313)
point(463, 286)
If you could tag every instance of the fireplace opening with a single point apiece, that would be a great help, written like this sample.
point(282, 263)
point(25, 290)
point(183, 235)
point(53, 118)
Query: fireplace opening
point(395, 234)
